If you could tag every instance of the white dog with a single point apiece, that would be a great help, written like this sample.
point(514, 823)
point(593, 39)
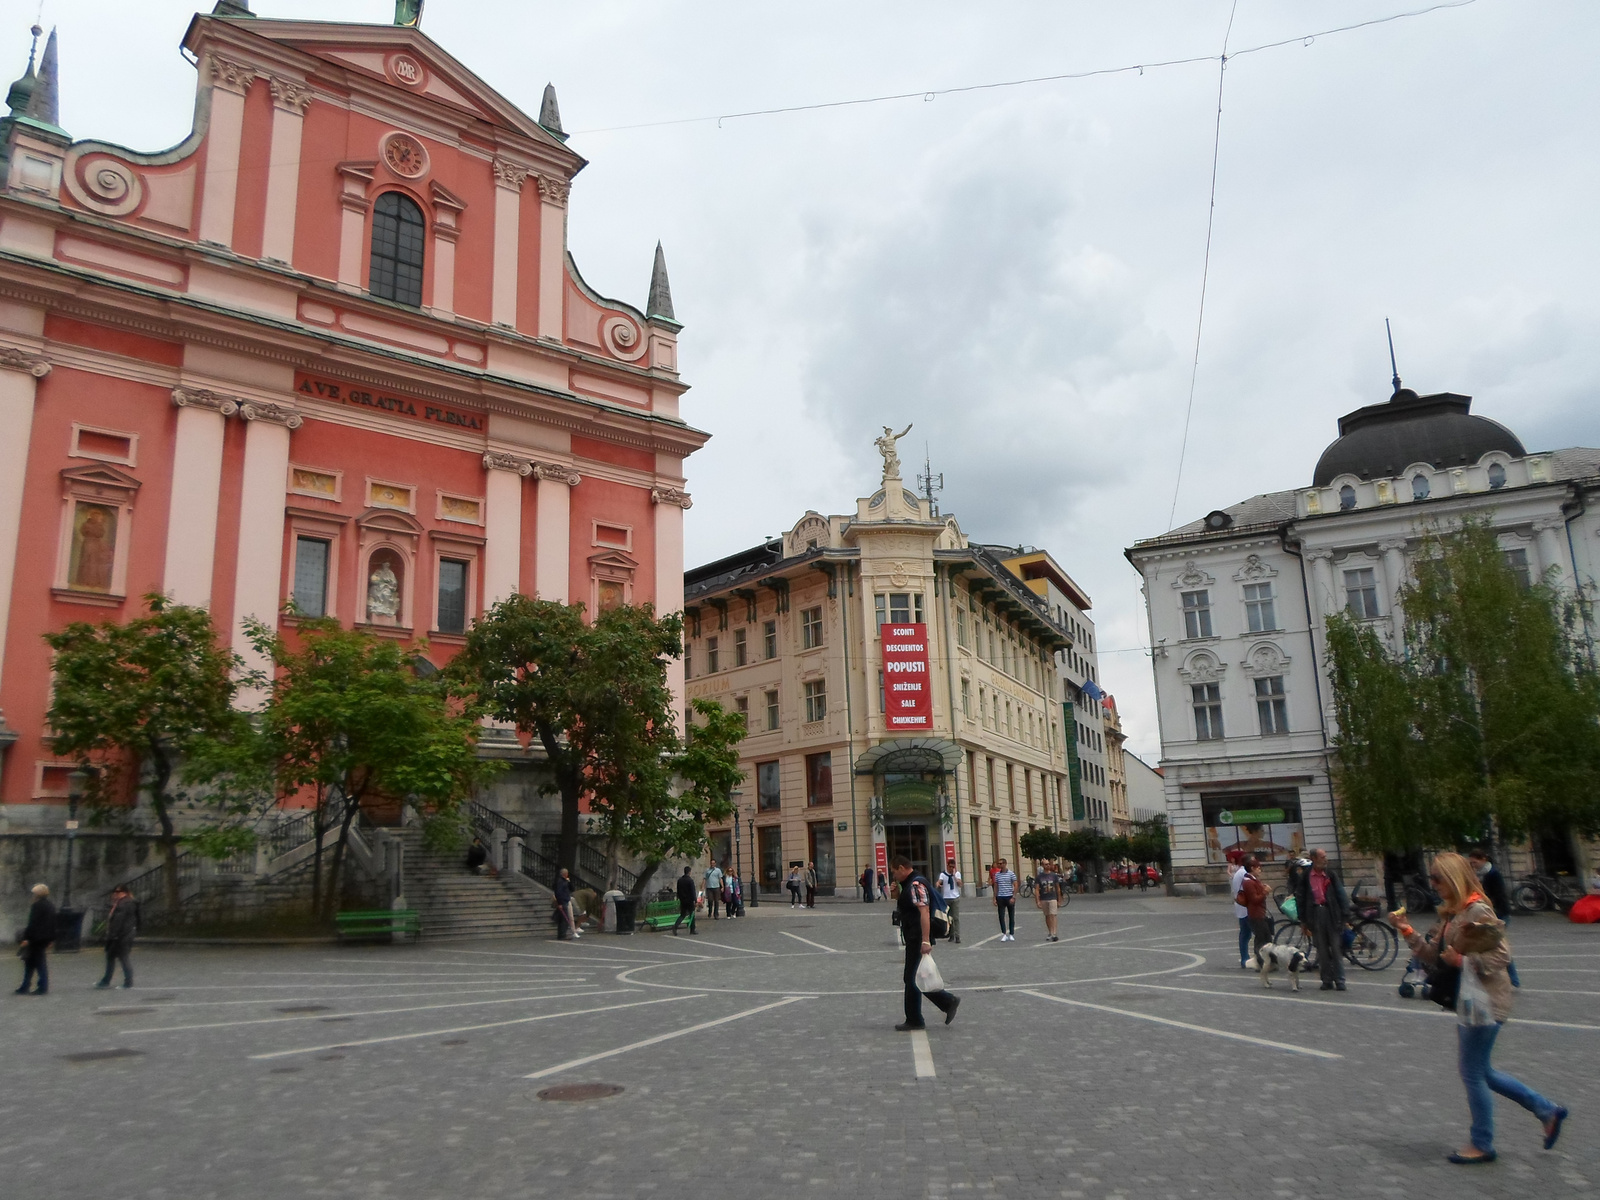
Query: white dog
point(1274, 956)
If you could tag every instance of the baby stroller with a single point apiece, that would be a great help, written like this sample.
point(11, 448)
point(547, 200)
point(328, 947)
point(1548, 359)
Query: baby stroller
point(1415, 981)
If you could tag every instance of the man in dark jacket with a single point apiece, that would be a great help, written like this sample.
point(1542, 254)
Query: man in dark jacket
point(1324, 908)
point(122, 923)
point(1494, 891)
point(36, 939)
point(688, 901)
point(564, 920)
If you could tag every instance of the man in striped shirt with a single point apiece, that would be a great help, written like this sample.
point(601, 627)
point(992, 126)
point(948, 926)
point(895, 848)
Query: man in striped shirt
point(1005, 900)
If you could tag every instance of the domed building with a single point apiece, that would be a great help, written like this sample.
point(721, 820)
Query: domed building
point(1237, 602)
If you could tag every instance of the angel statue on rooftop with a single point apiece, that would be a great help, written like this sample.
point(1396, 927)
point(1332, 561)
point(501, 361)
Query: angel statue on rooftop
point(408, 12)
point(886, 447)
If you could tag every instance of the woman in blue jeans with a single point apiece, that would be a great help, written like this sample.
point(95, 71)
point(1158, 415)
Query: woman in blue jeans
point(1463, 905)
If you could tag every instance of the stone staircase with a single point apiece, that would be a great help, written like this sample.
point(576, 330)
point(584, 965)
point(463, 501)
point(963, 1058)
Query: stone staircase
point(454, 903)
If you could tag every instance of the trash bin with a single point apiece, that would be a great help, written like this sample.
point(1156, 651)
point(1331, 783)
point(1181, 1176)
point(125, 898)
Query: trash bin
point(69, 930)
point(627, 913)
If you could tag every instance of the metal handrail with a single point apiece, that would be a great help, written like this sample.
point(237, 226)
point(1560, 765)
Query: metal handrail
point(535, 866)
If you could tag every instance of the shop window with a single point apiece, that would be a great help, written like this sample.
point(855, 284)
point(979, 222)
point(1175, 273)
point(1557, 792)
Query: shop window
point(453, 574)
point(819, 779)
point(768, 790)
point(398, 238)
point(311, 576)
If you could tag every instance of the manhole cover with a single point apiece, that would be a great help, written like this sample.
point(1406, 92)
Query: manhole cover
point(306, 1008)
point(581, 1091)
point(121, 1012)
point(84, 1056)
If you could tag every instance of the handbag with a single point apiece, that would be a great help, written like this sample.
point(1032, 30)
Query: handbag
point(1444, 981)
point(1472, 1001)
point(928, 978)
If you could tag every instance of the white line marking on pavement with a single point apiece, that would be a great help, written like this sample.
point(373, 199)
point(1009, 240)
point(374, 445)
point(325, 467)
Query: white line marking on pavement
point(406, 1037)
point(1082, 936)
point(985, 941)
point(373, 1012)
point(661, 1037)
point(1523, 957)
point(922, 1054)
point(504, 987)
point(409, 975)
point(809, 942)
point(1383, 1008)
point(741, 949)
point(1222, 1033)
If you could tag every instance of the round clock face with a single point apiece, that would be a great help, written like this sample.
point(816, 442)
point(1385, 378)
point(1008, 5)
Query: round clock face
point(405, 155)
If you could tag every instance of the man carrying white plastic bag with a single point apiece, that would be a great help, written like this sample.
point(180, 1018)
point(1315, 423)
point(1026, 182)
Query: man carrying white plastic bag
point(921, 975)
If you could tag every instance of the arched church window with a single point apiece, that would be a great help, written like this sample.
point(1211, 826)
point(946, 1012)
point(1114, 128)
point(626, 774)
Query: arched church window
point(1419, 486)
point(1497, 476)
point(397, 246)
point(1347, 498)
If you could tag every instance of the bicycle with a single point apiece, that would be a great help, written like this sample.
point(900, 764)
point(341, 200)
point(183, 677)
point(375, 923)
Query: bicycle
point(1535, 893)
point(1369, 943)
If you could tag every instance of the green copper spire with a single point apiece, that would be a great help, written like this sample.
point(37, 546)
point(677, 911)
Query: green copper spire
point(22, 90)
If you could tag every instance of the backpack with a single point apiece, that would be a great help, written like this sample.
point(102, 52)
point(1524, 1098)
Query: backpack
point(938, 913)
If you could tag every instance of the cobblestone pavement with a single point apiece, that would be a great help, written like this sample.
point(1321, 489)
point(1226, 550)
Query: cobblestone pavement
point(758, 1059)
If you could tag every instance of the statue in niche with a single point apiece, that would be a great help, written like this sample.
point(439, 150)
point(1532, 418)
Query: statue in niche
point(94, 548)
point(891, 456)
point(383, 593)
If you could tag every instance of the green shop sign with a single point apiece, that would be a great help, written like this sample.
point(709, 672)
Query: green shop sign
point(1250, 816)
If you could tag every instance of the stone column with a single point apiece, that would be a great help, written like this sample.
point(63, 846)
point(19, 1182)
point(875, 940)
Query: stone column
point(220, 187)
point(1394, 573)
point(20, 372)
point(356, 181)
point(289, 100)
point(502, 525)
point(514, 856)
point(552, 565)
point(508, 181)
point(196, 485)
point(259, 572)
point(552, 255)
point(447, 210)
point(1550, 531)
point(670, 504)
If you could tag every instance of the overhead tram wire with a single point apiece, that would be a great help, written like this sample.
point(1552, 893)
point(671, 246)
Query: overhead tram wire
point(928, 94)
point(1205, 268)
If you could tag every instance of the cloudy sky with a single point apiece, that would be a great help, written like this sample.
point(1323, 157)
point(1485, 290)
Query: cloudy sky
point(1017, 270)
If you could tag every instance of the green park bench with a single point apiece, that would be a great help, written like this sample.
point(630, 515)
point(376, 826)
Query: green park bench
point(383, 922)
point(660, 914)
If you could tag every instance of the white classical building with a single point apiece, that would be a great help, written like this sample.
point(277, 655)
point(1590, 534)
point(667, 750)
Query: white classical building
point(1237, 603)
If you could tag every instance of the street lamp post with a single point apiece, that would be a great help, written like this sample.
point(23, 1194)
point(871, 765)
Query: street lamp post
point(755, 868)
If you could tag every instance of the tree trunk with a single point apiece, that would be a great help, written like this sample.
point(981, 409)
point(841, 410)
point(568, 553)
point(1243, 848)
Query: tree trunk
point(648, 873)
point(570, 784)
point(318, 828)
point(161, 775)
point(352, 806)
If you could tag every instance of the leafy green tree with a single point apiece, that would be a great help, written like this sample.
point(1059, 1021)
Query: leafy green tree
point(594, 695)
point(1485, 723)
point(138, 698)
point(1087, 845)
point(1149, 845)
point(1041, 844)
point(348, 719)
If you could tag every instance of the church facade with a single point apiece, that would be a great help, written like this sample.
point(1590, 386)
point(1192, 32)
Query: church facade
point(328, 350)
point(1237, 605)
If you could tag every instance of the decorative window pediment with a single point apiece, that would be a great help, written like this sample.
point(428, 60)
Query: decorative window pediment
point(99, 481)
point(1265, 658)
point(1202, 667)
point(1193, 577)
point(389, 520)
point(1255, 569)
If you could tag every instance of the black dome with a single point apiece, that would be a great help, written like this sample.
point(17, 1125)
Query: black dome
point(1382, 440)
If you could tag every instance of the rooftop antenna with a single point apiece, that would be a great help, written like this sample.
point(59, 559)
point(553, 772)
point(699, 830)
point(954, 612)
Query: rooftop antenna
point(929, 482)
point(1394, 369)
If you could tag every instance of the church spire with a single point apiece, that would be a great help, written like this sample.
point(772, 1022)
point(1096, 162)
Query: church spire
point(550, 113)
point(45, 103)
point(660, 303)
point(22, 90)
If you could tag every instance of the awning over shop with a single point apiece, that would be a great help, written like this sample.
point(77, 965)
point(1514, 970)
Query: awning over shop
point(909, 755)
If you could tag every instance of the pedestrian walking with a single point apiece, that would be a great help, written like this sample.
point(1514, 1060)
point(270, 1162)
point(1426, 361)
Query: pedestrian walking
point(1493, 886)
point(1241, 915)
point(1005, 899)
point(912, 907)
point(36, 939)
point(688, 901)
point(949, 884)
point(811, 885)
point(883, 886)
point(566, 923)
point(713, 889)
point(866, 886)
point(793, 884)
point(1253, 895)
point(1324, 908)
point(733, 895)
point(122, 924)
point(1470, 939)
point(1048, 891)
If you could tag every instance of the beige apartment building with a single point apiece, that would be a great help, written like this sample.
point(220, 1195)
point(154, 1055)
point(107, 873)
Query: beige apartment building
point(901, 690)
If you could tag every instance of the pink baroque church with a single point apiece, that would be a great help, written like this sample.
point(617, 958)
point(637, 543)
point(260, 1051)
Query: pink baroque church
point(330, 348)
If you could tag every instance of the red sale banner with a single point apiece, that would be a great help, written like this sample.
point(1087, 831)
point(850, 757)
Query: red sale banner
point(881, 852)
point(950, 857)
point(907, 688)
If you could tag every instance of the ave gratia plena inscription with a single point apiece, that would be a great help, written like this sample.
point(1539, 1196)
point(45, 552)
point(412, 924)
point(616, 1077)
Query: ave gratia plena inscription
point(358, 395)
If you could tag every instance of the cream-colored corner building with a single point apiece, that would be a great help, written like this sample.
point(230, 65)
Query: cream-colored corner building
point(952, 753)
